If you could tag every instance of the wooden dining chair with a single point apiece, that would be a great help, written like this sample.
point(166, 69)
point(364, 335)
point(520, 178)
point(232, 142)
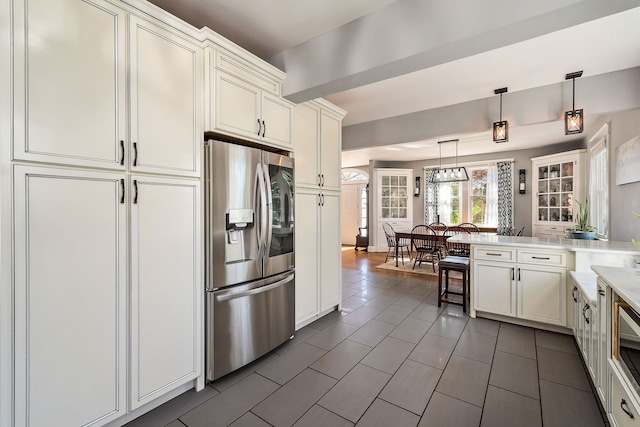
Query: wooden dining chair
point(457, 248)
point(472, 228)
point(391, 243)
point(425, 241)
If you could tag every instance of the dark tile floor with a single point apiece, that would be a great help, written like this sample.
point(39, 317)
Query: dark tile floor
point(393, 358)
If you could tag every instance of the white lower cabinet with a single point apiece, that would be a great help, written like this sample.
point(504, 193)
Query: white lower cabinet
point(622, 410)
point(318, 254)
point(165, 285)
point(79, 352)
point(70, 297)
point(528, 289)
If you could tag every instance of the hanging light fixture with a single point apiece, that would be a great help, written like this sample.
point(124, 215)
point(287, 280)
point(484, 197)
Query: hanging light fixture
point(456, 174)
point(573, 122)
point(501, 128)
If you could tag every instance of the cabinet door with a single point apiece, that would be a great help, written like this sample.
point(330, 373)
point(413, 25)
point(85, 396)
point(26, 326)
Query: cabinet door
point(494, 289)
point(541, 294)
point(307, 205)
point(237, 106)
point(166, 285)
point(70, 296)
point(166, 101)
point(330, 251)
point(70, 82)
point(330, 151)
point(601, 378)
point(305, 138)
point(277, 121)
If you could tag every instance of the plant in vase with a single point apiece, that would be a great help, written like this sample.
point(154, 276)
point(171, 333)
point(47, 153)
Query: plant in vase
point(582, 230)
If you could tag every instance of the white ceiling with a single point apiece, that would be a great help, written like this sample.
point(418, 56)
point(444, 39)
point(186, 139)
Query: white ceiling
point(267, 27)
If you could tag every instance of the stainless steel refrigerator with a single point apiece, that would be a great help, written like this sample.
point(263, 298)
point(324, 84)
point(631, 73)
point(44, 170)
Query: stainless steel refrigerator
point(250, 292)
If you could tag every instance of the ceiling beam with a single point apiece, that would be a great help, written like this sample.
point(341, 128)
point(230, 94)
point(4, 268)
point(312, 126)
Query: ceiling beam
point(411, 35)
point(604, 93)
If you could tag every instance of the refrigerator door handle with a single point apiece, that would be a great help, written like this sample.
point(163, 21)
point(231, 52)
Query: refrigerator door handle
point(262, 195)
point(261, 289)
point(269, 211)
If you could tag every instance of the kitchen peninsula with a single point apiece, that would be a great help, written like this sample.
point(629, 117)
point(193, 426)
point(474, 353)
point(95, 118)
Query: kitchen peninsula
point(524, 280)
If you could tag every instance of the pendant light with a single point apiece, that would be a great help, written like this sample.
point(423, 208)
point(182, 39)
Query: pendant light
point(573, 122)
point(457, 174)
point(501, 128)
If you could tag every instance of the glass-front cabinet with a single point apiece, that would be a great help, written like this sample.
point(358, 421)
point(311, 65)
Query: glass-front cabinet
point(394, 202)
point(558, 185)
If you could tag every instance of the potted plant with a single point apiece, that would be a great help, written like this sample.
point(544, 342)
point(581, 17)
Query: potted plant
point(582, 230)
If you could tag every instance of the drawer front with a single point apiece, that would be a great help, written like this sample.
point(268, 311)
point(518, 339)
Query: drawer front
point(623, 412)
point(494, 254)
point(556, 259)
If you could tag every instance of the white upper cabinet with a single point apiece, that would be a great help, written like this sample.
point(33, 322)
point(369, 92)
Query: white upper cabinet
point(318, 142)
point(70, 81)
point(166, 73)
point(71, 98)
point(248, 104)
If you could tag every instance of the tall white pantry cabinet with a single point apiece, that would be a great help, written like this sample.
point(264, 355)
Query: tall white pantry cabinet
point(101, 193)
point(317, 142)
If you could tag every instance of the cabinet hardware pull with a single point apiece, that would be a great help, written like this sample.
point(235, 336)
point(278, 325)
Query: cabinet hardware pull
point(122, 192)
point(135, 186)
point(264, 128)
point(121, 152)
point(540, 257)
point(601, 292)
point(584, 309)
point(322, 179)
point(623, 403)
point(135, 154)
point(259, 127)
point(518, 274)
point(573, 294)
point(319, 181)
point(489, 253)
point(513, 273)
point(323, 200)
point(319, 199)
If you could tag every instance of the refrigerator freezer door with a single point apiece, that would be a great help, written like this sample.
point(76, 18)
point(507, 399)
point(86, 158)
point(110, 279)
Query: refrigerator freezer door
point(234, 252)
point(247, 321)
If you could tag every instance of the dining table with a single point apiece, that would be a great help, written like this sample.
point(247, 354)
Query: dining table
point(440, 238)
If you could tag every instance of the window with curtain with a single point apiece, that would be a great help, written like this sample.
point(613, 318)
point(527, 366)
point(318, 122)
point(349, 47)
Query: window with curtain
point(599, 188)
point(485, 200)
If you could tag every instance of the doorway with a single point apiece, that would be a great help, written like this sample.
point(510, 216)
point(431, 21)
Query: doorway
point(354, 205)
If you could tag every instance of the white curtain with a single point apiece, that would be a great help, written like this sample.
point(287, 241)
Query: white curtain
point(491, 219)
point(444, 202)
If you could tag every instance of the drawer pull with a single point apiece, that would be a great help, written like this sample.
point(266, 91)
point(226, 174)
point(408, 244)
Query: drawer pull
point(573, 294)
point(541, 257)
point(492, 254)
point(623, 406)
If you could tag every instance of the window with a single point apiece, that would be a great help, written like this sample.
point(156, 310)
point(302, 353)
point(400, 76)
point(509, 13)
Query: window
point(363, 207)
point(599, 185)
point(472, 201)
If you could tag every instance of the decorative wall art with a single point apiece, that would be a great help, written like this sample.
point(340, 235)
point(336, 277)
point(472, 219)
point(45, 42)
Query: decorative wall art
point(628, 162)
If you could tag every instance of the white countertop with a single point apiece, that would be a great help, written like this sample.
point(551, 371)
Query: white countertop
point(588, 283)
point(575, 245)
point(624, 281)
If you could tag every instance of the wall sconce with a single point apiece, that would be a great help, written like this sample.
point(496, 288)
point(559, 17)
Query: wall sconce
point(522, 186)
point(416, 190)
point(573, 120)
point(501, 128)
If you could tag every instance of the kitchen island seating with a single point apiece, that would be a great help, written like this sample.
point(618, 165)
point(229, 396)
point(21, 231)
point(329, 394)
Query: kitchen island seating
point(453, 263)
point(394, 245)
point(427, 243)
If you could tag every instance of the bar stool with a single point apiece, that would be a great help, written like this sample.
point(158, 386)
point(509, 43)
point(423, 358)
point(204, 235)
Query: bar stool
point(453, 263)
